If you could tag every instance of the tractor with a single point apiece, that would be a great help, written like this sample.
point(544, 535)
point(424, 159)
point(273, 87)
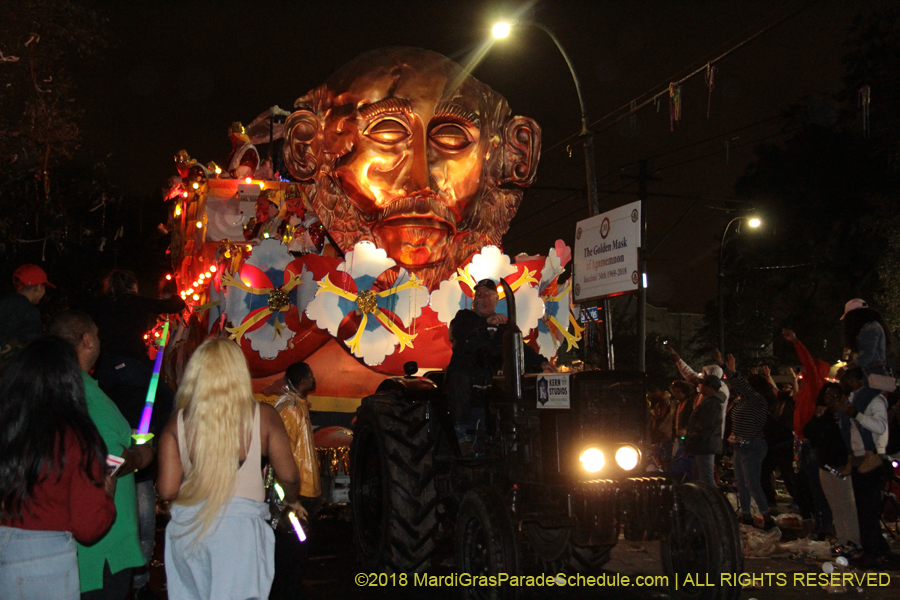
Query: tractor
point(560, 478)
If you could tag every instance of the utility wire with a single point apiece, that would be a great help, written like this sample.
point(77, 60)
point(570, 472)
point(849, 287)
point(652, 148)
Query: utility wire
point(608, 193)
point(633, 108)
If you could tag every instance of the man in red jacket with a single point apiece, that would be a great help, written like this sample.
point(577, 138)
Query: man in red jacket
point(814, 374)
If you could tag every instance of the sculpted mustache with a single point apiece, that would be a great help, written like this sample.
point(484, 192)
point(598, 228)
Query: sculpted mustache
point(418, 204)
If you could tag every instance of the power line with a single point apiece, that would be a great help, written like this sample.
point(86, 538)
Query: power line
point(632, 107)
point(617, 191)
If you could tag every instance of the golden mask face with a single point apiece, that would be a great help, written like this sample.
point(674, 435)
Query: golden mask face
point(416, 164)
point(404, 148)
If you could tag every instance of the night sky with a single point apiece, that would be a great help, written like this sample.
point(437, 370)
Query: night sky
point(176, 74)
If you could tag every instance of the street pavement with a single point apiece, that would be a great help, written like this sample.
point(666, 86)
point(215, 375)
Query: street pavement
point(790, 574)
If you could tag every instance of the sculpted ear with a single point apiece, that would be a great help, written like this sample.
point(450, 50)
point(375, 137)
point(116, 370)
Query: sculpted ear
point(521, 151)
point(301, 144)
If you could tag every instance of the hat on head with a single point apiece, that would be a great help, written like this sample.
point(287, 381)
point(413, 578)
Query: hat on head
point(853, 305)
point(712, 381)
point(488, 283)
point(28, 275)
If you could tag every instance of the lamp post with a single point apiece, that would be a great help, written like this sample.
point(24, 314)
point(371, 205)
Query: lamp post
point(753, 222)
point(502, 30)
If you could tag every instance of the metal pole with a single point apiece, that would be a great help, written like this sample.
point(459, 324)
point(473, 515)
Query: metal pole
point(642, 270)
point(591, 176)
point(721, 287)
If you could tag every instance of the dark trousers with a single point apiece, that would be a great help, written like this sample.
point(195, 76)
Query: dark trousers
point(867, 488)
point(780, 457)
point(290, 565)
point(809, 468)
point(115, 585)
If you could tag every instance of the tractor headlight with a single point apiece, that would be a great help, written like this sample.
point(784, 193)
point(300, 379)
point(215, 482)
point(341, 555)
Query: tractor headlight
point(628, 457)
point(592, 460)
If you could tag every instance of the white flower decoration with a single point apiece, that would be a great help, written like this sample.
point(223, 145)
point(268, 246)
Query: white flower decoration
point(456, 293)
point(376, 337)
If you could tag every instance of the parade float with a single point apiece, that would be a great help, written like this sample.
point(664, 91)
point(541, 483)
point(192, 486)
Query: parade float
point(384, 198)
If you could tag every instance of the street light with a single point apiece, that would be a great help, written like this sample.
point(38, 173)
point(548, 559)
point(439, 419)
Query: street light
point(502, 30)
point(753, 222)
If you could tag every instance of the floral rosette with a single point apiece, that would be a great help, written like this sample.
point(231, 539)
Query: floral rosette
point(356, 292)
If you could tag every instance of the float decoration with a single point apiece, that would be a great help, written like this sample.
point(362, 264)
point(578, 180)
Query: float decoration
point(556, 304)
point(357, 293)
point(456, 293)
point(259, 299)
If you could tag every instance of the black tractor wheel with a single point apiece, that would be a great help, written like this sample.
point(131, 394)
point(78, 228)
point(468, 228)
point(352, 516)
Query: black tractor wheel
point(706, 546)
point(555, 553)
point(392, 494)
point(486, 543)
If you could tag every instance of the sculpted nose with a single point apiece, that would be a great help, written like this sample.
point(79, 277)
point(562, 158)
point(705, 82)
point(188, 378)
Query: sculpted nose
point(419, 172)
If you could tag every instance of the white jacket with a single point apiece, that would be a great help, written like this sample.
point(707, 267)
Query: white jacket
point(875, 420)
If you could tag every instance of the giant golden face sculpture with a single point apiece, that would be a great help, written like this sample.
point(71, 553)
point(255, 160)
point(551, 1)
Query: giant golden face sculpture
point(403, 148)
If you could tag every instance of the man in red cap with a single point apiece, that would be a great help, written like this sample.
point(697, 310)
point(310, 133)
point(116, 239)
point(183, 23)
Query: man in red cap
point(21, 322)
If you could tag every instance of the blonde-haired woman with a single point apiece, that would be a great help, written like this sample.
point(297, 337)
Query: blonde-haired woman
point(218, 545)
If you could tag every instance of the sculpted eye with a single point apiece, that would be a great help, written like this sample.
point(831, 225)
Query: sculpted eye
point(388, 131)
point(450, 136)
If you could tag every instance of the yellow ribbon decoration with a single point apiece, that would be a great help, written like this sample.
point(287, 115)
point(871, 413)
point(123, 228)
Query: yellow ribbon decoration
point(405, 338)
point(326, 286)
point(560, 295)
point(525, 278)
point(464, 276)
point(578, 328)
point(229, 279)
point(570, 338)
point(353, 343)
point(238, 332)
point(293, 282)
point(412, 283)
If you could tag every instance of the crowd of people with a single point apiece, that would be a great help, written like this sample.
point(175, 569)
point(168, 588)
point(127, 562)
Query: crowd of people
point(78, 494)
point(828, 439)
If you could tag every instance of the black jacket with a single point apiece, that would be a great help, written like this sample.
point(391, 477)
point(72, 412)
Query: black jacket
point(478, 347)
point(825, 436)
point(704, 431)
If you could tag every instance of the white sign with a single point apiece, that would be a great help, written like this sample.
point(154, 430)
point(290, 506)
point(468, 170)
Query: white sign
point(606, 253)
point(553, 391)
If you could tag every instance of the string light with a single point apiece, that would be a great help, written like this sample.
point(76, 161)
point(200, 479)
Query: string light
point(248, 180)
point(168, 277)
point(195, 297)
point(196, 185)
point(178, 211)
point(199, 224)
point(212, 268)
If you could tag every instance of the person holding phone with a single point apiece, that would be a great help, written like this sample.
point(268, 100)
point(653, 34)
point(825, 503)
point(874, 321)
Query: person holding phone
point(107, 565)
point(53, 483)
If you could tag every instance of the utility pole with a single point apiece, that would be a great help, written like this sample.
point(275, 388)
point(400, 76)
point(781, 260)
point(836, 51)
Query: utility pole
point(643, 178)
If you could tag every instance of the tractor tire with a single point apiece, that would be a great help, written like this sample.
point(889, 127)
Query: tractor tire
point(708, 546)
point(392, 495)
point(555, 553)
point(486, 543)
